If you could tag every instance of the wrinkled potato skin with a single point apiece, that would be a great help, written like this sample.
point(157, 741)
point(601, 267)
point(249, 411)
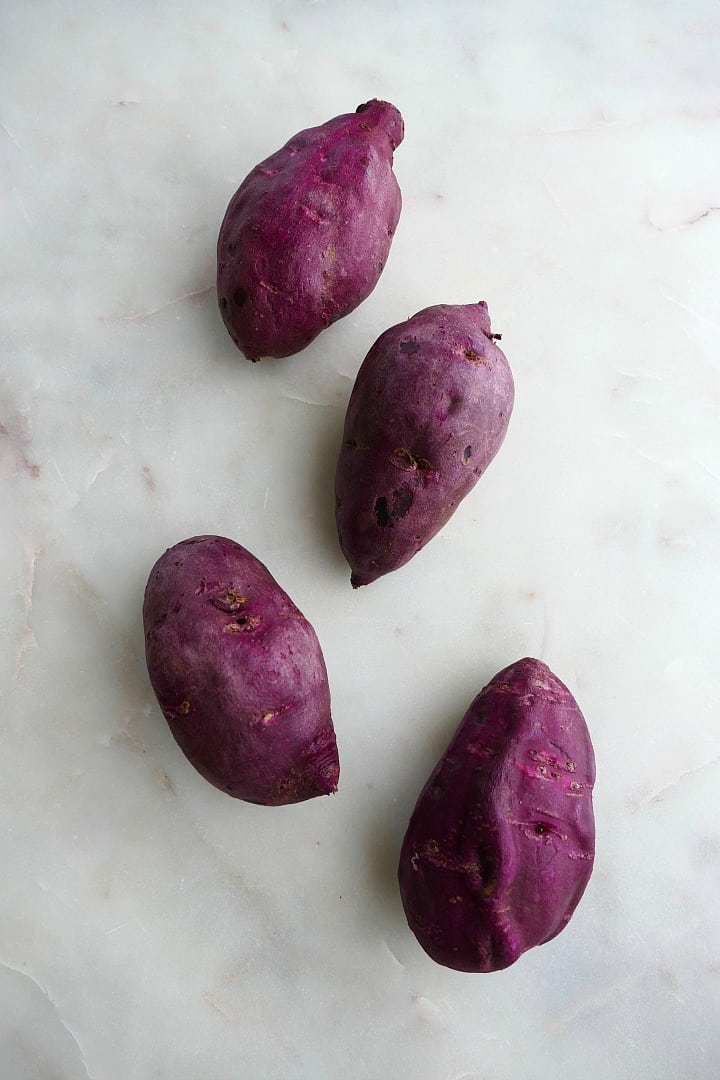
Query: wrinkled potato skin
point(501, 842)
point(308, 232)
point(239, 674)
point(428, 412)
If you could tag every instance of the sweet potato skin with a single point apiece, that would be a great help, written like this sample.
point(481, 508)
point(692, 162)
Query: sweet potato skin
point(500, 845)
point(239, 674)
point(428, 412)
point(308, 232)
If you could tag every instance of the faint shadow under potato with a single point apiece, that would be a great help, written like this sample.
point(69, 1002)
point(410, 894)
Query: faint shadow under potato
point(144, 728)
point(323, 490)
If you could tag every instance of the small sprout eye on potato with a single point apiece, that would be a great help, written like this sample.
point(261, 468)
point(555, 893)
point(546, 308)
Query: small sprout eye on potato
point(428, 412)
point(308, 232)
point(500, 845)
point(239, 674)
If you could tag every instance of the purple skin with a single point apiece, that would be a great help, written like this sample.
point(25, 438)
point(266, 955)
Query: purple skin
point(239, 674)
point(428, 412)
point(501, 842)
point(308, 232)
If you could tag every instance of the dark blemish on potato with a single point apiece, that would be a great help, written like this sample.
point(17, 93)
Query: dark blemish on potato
point(240, 296)
point(496, 337)
point(224, 303)
point(540, 829)
point(389, 231)
point(232, 248)
point(467, 454)
point(405, 459)
point(362, 108)
point(243, 625)
point(486, 865)
point(230, 602)
point(474, 357)
point(409, 347)
point(184, 708)
point(261, 719)
point(402, 501)
point(382, 515)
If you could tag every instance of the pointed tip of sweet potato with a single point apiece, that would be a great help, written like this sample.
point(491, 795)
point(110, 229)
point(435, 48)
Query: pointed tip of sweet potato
point(358, 578)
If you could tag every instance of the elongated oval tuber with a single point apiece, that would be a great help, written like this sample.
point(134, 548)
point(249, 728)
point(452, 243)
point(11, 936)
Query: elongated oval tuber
point(239, 674)
point(428, 412)
point(308, 232)
point(501, 842)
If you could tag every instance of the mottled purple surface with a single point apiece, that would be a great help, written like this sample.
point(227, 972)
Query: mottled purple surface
point(501, 842)
point(307, 234)
point(239, 674)
point(428, 412)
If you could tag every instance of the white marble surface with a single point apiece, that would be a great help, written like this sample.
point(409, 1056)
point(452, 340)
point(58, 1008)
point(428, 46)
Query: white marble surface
point(561, 161)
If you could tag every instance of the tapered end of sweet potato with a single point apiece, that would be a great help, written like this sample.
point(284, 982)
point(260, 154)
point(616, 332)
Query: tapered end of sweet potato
point(383, 114)
point(358, 578)
point(317, 778)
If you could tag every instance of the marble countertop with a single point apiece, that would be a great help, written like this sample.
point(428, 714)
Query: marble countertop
point(560, 161)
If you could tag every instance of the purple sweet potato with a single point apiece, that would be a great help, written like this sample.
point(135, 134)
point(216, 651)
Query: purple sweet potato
point(428, 412)
point(308, 232)
point(501, 842)
point(239, 674)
